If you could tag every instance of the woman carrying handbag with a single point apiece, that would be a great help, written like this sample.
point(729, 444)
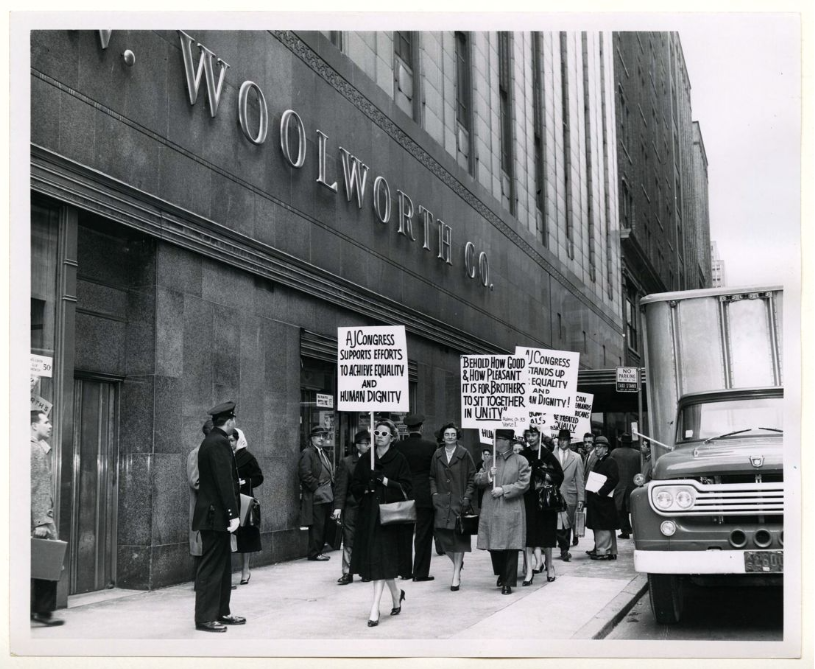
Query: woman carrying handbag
point(376, 546)
point(541, 519)
point(250, 477)
point(452, 486)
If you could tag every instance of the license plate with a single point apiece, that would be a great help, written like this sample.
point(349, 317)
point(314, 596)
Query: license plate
point(763, 562)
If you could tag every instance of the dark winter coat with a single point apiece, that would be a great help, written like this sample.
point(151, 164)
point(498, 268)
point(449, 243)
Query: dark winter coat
point(343, 499)
point(450, 485)
point(628, 465)
point(541, 525)
point(217, 502)
point(601, 510)
point(313, 474)
point(376, 553)
point(249, 471)
point(418, 452)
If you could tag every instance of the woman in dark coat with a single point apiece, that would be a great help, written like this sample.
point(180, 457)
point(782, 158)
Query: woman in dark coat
point(541, 525)
point(250, 476)
point(602, 511)
point(452, 486)
point(376, 547)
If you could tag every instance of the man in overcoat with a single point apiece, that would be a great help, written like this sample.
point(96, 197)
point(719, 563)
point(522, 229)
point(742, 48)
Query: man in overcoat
point(628, 464)
point(419, 453)
point(43, 593)
point(502, 526)
point(316, 475)
point(572, 489)
point(602, 513)
point(192, 481)
point(217, 510)
point(346, 505)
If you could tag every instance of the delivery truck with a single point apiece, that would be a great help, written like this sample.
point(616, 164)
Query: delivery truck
point(711, 507)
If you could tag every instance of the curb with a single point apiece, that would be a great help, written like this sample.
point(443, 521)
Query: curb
point(600, 627)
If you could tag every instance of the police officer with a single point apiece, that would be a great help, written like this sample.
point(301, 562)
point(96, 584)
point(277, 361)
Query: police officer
point(216, 516)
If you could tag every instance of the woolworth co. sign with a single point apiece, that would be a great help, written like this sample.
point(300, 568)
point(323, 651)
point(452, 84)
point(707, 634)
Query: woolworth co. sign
point(253, 119)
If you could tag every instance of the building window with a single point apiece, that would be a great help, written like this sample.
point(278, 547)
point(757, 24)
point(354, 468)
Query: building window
point(627, 202)
point(588, 141)
point(540, 166)
point(463, 99)
point(606, 176)
point(505, 97)
point(567, 162)
point(631, 318)
point(335, 36)
point(405, 69)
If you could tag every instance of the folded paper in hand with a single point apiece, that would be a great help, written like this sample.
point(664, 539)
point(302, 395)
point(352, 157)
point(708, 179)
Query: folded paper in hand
point(595, 482)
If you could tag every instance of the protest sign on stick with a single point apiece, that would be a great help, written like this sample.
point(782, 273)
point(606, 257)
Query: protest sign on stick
point(490, 384)
point(372, 371)
point(578, 424)
point(551, 379)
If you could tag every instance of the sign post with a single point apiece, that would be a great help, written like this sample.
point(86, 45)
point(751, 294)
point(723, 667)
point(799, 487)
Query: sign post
point(372, 371)
point(628, 379)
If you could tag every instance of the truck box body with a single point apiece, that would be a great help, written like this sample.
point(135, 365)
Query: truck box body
point(714, 502)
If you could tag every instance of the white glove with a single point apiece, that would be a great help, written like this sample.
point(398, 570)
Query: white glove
point(234, 524)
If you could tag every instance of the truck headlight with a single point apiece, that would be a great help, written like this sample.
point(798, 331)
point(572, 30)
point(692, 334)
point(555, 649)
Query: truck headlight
point(664, 499)
point(684, 499)
point(668, 528)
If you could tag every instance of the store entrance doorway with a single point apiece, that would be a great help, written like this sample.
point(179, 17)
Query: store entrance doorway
point(95, 466)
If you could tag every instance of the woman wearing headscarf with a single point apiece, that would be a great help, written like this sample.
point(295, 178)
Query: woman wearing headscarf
point(376, 554)
point(452, 486)
point(250, 477)
point(541, 524)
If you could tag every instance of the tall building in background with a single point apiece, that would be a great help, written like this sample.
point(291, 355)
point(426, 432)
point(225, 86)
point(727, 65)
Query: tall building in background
point(701, 210)
point(717, 272)
point(662, 175)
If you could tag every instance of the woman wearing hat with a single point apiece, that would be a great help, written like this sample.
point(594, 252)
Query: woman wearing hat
point(541, 524)
point(452, 486)
point(250, 477)
point(376, 554)
point(602, 512)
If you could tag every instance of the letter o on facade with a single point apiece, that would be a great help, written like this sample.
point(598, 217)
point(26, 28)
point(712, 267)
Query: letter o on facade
point(243, 116)
point(382, 191)
point(483, 269)
point(292, 117)
point(469, 258)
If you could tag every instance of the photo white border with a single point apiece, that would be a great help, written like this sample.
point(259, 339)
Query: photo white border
point(18, 319)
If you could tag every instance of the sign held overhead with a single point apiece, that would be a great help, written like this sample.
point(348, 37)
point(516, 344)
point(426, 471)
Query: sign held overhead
point(372, 369)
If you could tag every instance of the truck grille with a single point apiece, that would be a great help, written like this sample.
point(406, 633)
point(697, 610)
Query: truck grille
point(735, 499)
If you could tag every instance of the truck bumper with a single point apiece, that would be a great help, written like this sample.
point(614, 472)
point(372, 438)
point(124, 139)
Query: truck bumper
point(701, 562)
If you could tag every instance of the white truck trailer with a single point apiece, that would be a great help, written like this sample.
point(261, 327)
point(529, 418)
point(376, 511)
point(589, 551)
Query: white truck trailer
point(711, 508)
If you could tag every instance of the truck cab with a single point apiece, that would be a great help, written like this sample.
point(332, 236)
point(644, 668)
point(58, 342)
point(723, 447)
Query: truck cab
point(712, 509)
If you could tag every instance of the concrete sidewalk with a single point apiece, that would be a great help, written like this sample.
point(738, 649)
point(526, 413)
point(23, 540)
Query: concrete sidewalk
point(301, 600)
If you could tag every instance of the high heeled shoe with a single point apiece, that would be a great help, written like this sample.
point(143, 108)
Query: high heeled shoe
point(373, 623)
point(531, 578)
point(396, 610)
point(550, 579)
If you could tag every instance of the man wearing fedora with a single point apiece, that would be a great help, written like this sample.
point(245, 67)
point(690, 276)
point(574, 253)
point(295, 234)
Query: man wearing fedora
point(419, 454)
point(317, 499)
point(572, 489)
point(628, 464)
point(217, 513)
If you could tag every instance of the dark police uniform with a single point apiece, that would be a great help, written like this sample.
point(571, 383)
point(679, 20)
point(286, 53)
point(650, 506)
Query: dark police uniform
point(218, 502)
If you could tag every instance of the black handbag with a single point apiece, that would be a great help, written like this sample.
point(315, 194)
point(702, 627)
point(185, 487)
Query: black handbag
point(250, 511)
point(398, 513)
point(550, 499)
point(333, 533)
point(467, 524)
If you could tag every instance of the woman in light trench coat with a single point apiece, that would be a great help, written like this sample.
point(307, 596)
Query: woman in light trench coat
point(502, 527)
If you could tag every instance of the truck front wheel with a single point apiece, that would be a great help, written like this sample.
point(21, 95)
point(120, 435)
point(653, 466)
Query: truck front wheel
point(666, 592)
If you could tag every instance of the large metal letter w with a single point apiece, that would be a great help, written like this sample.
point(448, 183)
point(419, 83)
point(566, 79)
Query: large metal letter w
point(205, 66)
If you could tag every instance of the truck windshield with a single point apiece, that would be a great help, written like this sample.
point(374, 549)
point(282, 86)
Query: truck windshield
point(748, 417)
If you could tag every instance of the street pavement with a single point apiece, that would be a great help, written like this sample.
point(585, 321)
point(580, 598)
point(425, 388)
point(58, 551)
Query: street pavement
point(301, 600)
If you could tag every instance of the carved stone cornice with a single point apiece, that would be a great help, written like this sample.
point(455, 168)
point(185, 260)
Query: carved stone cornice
point(91, 190)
